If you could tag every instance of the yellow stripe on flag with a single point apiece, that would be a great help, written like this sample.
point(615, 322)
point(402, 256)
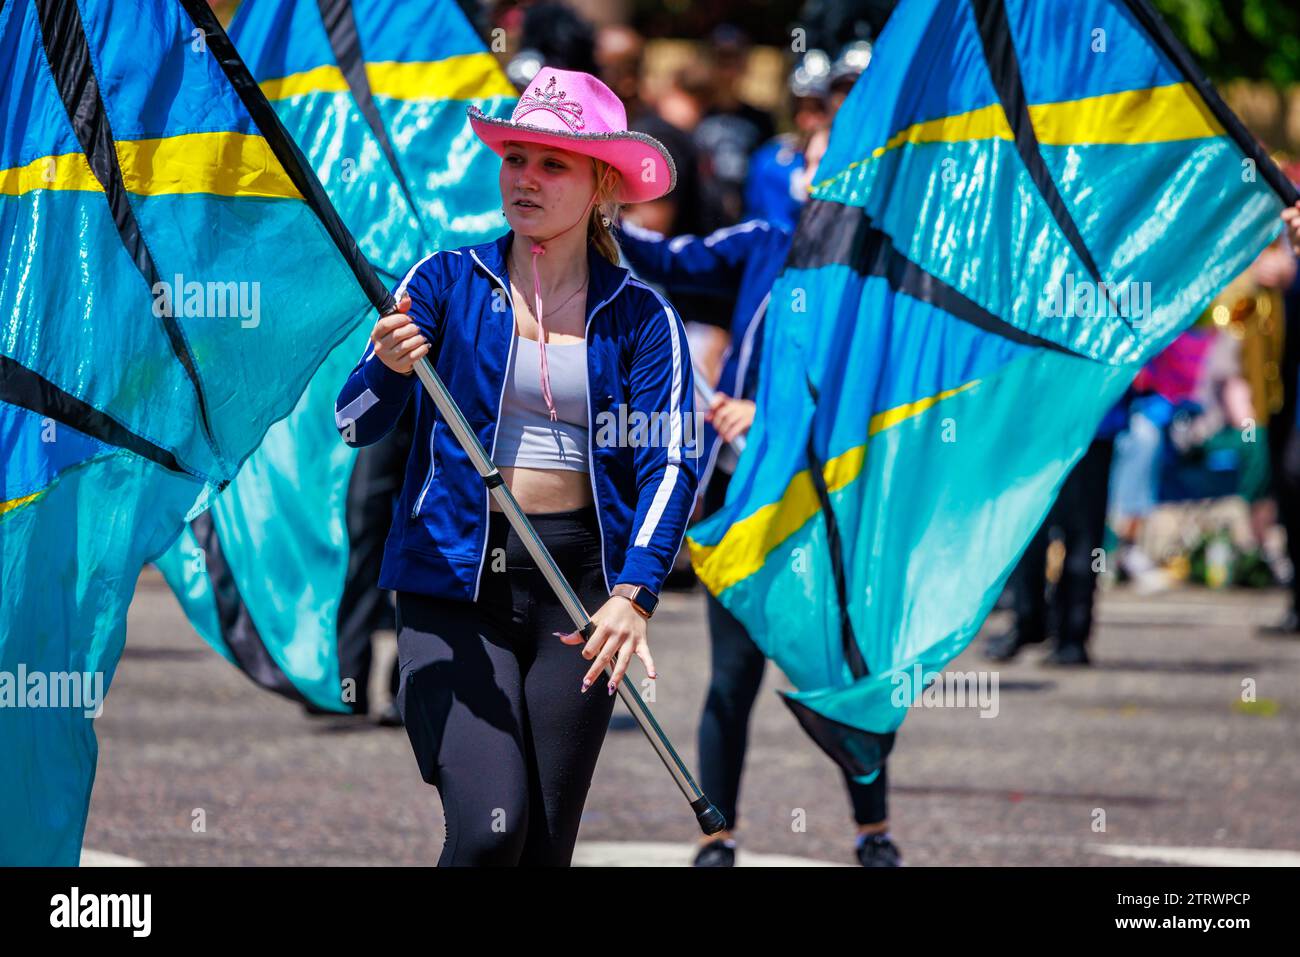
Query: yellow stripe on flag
point(323, 79)
point(1162, 114)
point(469, 76)
point(67, 171)
point(986, 123)
point(746, 544)
point(16, 503)
point(472, 76)
point(224, 164)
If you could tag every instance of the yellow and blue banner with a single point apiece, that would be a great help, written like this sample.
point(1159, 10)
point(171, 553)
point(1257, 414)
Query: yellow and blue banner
point(1022, 202)
point(375, 93)
point(171, 277)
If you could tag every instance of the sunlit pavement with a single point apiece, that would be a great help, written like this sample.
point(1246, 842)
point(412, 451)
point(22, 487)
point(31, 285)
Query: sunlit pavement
point(1179, 746)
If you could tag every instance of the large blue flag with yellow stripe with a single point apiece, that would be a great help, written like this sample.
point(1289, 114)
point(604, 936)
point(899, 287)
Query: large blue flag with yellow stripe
point(171, 278)
point(375, 93)
point(1021, 203)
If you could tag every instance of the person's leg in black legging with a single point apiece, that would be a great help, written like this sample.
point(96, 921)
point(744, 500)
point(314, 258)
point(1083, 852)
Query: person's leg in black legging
point(1028, 586)
point(875, 847)
point(1286, 491)
point(1082, 514)
point(870, 803)
point(492, 699)
point(461, 703)
point(734, 680)
point(735, 676)
point(564, 726)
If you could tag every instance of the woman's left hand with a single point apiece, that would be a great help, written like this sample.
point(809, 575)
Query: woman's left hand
point(730, 417)
point(620, 633)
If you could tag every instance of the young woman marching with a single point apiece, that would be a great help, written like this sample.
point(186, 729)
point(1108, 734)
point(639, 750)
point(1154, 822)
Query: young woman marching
point(540, 337)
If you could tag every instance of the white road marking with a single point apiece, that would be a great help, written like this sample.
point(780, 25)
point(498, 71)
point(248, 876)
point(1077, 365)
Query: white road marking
point(1203, 856)
point(652, 854)
point(91, 858)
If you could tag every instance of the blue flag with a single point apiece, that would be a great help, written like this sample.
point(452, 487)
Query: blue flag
point(375, 92)
point(171, 279)
point(1021, 203)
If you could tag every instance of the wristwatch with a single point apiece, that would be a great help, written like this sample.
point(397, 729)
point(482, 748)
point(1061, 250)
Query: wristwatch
point(643, 599)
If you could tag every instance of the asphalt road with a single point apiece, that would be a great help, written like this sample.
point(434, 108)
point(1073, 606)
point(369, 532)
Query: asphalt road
point(1151, 756)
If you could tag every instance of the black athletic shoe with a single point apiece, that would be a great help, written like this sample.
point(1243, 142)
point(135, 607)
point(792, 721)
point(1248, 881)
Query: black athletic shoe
point(1071, 655)
point(878, 850)
point(720, 853)
point(390, 717)
point(1007, 645)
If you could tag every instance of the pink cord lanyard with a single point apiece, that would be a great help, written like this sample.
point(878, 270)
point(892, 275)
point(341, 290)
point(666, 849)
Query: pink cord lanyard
point(537, 250)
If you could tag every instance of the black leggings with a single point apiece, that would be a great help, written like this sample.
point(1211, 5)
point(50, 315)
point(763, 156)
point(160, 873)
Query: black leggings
point(492, 700)
point(737, 673)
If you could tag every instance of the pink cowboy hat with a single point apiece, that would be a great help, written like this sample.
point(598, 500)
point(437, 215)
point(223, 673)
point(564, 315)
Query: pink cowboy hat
point(576, 112)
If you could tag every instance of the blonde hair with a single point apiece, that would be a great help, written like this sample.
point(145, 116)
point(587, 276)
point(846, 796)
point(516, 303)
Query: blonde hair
point(605, 207)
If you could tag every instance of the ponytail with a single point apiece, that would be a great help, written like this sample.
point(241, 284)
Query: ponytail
point(605, 207)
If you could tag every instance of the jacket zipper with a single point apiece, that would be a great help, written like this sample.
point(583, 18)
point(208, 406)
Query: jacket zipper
point(428, 481)
point(487, 496)
point(591, 461)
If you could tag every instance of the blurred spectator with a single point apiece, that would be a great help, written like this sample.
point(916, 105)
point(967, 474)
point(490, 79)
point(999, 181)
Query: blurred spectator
point(620, 55)
point(553, 35)
point(777, 187)
point(730, 131)
point(846, 69)
point(1164, 383)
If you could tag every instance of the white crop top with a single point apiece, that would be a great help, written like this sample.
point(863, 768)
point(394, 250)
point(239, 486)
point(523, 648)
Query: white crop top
point(526, 436)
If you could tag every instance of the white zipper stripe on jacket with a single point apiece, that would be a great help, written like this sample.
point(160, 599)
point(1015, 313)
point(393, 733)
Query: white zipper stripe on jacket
point(397, 294)
point(591, 464)
point(428, 479)
point(487, 496)
point(742, 368)
point(747, 346)
point(666, 484)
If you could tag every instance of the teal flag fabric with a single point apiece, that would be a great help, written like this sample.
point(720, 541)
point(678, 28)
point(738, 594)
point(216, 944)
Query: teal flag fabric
point(375, 93)
point(170, 282)
point(1022, 202)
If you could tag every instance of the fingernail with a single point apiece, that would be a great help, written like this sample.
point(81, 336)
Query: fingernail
point(612, 686)
point(653, 675)
point(560, 634)
point(586, 683)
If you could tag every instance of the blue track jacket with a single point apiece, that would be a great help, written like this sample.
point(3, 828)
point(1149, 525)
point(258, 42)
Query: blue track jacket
point(642, 443)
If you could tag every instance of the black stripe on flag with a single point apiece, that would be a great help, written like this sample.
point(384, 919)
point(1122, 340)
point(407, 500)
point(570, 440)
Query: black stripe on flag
point(67, 51)
point(287, 152)
point(1004, 68)
point(832, 233)
point(21, 386)
point(341, 29)
point(834, 543)
point(238, 629)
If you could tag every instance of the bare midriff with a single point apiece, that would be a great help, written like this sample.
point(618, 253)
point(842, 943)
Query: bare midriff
point(547, 490)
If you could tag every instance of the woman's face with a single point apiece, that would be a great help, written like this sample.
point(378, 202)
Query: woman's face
point(544, 190)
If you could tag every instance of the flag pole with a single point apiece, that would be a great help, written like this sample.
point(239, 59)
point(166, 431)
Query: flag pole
point(300, 171)
point(710, 818)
